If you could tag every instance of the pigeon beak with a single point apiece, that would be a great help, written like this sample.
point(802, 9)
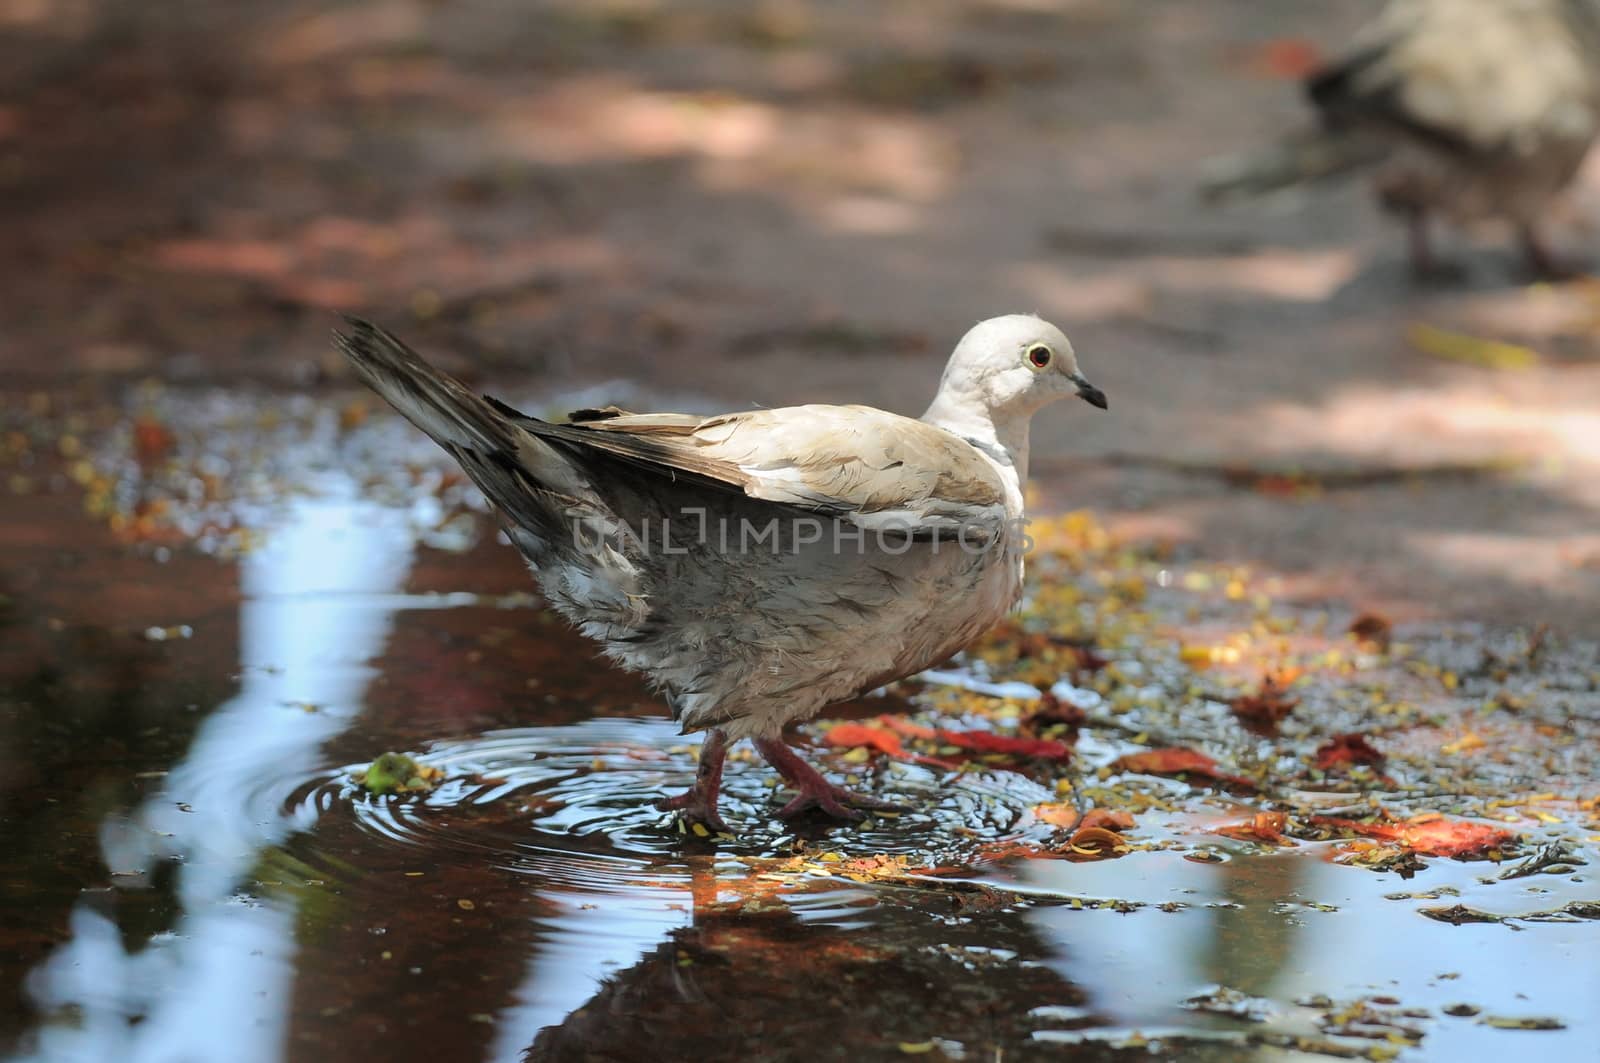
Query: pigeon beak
point(1089, 393)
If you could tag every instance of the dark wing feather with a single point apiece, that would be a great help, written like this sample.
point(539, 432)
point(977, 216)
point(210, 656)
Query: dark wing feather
point(1359, 92)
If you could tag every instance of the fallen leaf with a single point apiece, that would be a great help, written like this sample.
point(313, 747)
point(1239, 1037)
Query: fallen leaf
point(1098, 821)
point(1038, 644)
point(1201, 657)
point(1097, 842)
point(1379, 857)
point(1472, 350)
point(853, 735)
point(1265, 709)
point(1444, 837)
point(1465, 744)
point(1014, 850)
point(1057, 814)
point(986, 742)
point(981, 742)
point(1053, 712)
point(1346, 749)
point(1372, 631)
point(1430, 835)
point(1111, 819)
point(353, 414)
point(1085, 660)
point(396, 773)
point(1281, 485)
point(1178, 761)
point(1520, 1022)
point(1264, 827)
point(907, 728)
point(880, 740)
point(152, 440)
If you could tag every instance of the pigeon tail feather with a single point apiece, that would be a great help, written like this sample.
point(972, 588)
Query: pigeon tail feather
point(432, 400)
point(527, 478)
point(1316, 155)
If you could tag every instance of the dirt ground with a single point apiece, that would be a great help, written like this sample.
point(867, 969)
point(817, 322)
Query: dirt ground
point(729, 204)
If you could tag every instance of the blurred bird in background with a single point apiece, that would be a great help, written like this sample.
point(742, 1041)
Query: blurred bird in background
point(1471, 109)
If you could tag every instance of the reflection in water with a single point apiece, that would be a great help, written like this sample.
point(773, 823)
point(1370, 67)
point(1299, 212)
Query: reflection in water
point(842, 974)
point(1136, 966)
point(305, 638)
point(1310, 939)
point(1258, 931)
point(577, 958)
point(1546, 969)
point(220, 980)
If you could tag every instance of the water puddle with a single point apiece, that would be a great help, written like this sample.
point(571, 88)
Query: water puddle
point(194, 871)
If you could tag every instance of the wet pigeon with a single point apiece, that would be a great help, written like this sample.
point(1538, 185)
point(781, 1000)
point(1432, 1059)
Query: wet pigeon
point(1469, 108)
point(759, 566)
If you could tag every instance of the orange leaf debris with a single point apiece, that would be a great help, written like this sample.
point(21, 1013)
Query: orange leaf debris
point(851, 735)
point(1430, 835)
point(1178, 761)
point(1343, 750)
point(1266, 708)
point(1265, 827)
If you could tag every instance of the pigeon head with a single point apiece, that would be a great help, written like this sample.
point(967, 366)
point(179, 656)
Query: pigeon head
point(1011, 366)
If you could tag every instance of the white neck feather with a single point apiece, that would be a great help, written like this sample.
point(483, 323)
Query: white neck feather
point(1002, 434)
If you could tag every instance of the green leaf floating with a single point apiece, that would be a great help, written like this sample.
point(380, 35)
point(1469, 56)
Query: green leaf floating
point(396, 773)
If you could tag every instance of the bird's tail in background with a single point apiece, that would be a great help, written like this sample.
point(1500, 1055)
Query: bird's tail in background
point(1315, 155)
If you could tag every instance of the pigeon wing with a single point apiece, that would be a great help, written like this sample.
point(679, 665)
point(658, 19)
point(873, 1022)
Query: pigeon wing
point(876, 469)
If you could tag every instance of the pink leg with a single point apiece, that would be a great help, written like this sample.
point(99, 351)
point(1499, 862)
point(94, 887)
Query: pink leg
point(1544, 264)
point(1423, 265)
point(699, 803)
point(815, 791)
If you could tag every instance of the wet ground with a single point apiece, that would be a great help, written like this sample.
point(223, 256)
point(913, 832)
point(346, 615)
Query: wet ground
point(219, 610)
point(228, 582)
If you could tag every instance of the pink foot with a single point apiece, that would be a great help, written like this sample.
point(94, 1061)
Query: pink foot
point(815, 791)
point(1544, 264)
point(698, 804)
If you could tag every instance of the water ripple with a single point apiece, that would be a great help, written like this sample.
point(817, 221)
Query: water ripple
point(576, 805)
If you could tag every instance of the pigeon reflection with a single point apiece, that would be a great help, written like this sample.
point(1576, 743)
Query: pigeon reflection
point(763, 976)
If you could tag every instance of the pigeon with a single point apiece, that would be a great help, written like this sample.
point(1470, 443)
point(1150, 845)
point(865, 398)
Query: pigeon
point(756, 567)
point(1471, 109)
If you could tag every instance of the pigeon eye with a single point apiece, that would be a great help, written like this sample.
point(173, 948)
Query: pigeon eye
point(1039, 355)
